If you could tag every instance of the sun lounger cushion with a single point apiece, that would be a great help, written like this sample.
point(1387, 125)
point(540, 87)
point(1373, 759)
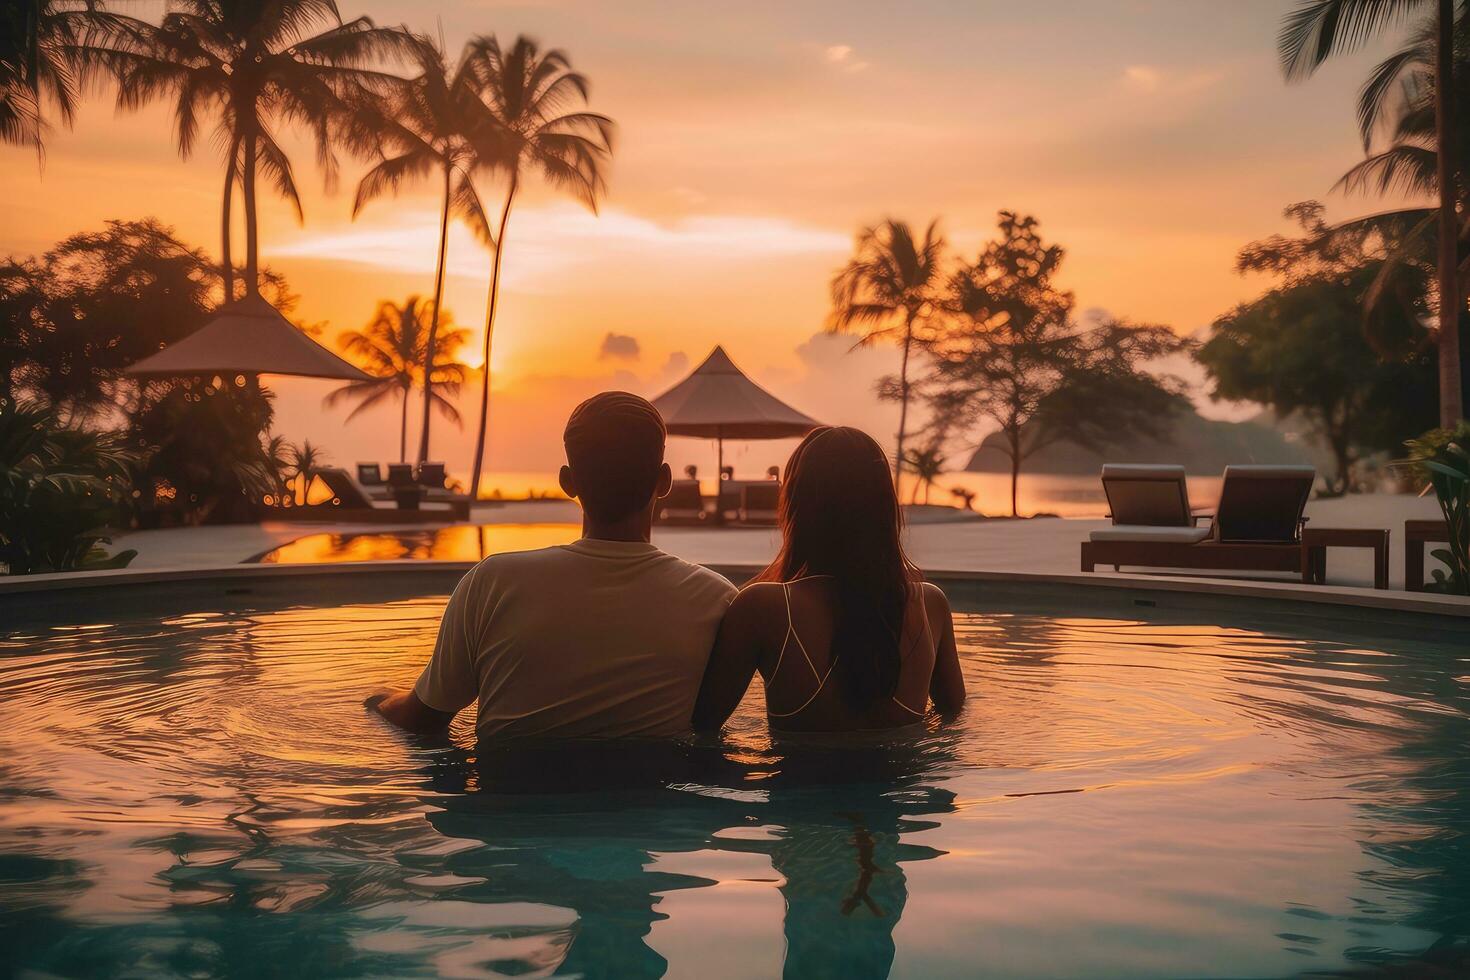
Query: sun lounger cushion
point(1142, 532)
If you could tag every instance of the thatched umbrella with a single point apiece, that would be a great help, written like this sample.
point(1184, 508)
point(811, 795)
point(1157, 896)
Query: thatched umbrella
point(717, 401)
point(248, 337)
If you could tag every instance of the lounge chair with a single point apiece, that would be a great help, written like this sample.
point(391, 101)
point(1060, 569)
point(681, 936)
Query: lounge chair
point(1257, 526)
point(346, 491)
point(431, 476)
point(406, 490)
point(683, 505)
point(370, 478)
point(760, 502)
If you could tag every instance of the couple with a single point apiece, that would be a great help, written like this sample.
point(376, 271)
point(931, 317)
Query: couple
point(611, 637)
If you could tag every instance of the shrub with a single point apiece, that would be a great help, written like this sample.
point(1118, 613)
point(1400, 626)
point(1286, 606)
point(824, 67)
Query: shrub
point(59, 489)
point(1441, 460)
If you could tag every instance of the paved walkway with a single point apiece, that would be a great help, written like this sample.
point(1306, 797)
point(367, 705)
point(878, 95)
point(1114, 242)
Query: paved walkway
point(1044, 545)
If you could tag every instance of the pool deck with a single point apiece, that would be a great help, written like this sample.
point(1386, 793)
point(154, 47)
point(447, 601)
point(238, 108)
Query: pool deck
point(938, 539)
point(944, 542)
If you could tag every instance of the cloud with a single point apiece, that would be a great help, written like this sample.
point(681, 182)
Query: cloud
point(676, 366)
point(555, 238)
point(1141, 78)
point(1146, 80)
point(841, 56)
point(619, 346)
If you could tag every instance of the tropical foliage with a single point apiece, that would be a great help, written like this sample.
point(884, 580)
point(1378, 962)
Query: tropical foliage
point(60, 487)
point(1412, 97)
point(210, 458)
point(889, 291)
point(1303, 350)
point(529, 93)
point(72, 319)
point(437, 126)
point(39, 67)
point(1445, 464)
point(302, 463)
point(392, 348)
point(1012, 352)
point(927, 464)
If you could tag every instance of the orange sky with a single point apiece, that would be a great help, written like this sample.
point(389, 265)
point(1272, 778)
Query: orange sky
point(1151, 137)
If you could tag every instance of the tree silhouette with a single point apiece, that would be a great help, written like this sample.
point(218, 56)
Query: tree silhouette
point(437, 125)
point(257, 66)
point(391, 348)
point(528, 92)
point(1318, 29)
point(889, 289)
point(1013, 353)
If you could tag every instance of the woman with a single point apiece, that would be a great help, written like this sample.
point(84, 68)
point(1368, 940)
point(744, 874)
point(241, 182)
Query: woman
point(842, 627)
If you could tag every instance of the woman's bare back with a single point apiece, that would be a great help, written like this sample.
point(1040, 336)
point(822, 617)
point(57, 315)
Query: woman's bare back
point(798, 663)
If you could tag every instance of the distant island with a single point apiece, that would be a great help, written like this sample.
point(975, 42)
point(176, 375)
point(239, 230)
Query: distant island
point(1203, 446)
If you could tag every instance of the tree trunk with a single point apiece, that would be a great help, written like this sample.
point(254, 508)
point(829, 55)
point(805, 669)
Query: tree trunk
point(1013, 436)
point(227, 263)
point(252, 279)
point(510, 197)
point(1451, 405)
point(903, 399)
point(403, 426)
point(429, 347)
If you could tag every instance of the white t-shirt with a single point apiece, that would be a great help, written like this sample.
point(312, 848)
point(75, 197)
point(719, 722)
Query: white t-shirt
point(593, 638)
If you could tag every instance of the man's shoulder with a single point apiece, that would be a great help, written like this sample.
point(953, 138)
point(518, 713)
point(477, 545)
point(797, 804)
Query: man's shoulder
point(697, 578)
point(516, 562)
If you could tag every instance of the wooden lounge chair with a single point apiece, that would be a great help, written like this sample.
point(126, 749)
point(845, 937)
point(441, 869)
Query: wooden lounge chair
point(370, 478)
point(431, 476)
point(346, 491)
point(759, 503)
point(683, 505)
point(1257, 526)
point(406, 490)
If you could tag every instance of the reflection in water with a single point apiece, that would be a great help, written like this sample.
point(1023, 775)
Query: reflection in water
point(200, 792)
point(460, 542)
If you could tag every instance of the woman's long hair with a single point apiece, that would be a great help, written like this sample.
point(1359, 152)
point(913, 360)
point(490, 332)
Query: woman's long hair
point(840, 517)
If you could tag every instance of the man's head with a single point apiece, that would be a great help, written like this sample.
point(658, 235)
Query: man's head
point(615, 456)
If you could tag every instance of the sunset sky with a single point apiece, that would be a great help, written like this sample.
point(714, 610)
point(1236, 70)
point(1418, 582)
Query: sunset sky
point(1152, 138)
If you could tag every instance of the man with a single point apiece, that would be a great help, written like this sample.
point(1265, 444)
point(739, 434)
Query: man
point(607, 636)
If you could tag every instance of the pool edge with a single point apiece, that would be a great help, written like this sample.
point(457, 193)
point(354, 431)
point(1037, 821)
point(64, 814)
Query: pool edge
point(1313, 595)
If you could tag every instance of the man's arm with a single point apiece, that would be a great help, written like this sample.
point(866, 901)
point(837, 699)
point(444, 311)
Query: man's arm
point(448, 683)
point(404, 709)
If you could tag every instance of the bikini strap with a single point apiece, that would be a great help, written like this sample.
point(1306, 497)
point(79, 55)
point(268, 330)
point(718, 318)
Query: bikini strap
point(791, 634)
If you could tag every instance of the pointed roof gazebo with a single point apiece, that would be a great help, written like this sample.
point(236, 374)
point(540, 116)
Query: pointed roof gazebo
point(249, 337)
point(717, 401)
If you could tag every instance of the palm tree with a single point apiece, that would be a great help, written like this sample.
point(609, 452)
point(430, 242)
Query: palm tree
point(391, 349)
point(928, 465)
point(37, 65)
point(303, 461)
point(436, 124)
point(256, 66)
point(889, 288)
point(1318, 29)
point(528, 92)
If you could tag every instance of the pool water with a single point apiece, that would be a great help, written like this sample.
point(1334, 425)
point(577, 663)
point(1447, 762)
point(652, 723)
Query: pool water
point(1130, 793)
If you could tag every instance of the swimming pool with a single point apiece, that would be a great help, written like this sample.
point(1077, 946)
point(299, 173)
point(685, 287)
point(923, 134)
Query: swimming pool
point(189, 786)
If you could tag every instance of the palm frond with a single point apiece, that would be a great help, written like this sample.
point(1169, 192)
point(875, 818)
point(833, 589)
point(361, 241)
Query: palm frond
point(1318, 29)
